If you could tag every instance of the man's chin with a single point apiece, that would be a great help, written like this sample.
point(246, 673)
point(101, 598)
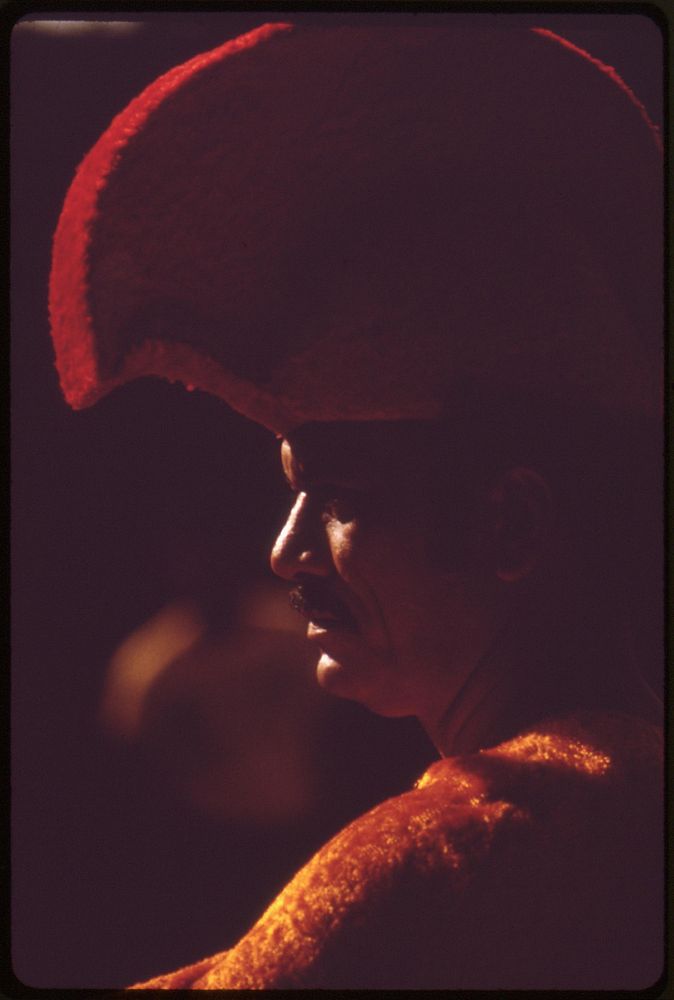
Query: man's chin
point(343, 666)
point(333, 674)
point(353, 681)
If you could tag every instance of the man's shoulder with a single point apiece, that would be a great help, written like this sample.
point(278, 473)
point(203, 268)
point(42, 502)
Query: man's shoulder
point(474, 836)
point(539, 777)
point(586, 753)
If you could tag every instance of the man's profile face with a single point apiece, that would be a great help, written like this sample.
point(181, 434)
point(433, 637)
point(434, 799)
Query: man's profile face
point(393, 628)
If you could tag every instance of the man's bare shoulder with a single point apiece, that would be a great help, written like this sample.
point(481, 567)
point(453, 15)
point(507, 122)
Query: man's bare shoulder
point(422, 875)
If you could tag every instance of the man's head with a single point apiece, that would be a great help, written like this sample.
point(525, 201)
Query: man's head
point(412, 545)
point(326, 226)
point(405, 564)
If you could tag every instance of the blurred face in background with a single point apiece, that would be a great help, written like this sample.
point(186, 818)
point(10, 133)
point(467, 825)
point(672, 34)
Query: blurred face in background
point(395, 627)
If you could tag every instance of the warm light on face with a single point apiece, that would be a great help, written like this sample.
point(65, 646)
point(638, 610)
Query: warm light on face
point(394, 630)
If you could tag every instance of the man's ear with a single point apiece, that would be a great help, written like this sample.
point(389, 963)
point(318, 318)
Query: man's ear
point(521, 515)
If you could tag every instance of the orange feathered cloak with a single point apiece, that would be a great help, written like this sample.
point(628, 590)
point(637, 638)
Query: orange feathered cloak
point(536, 864)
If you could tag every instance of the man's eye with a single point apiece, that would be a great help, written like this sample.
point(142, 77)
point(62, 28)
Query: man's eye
point(340, 506)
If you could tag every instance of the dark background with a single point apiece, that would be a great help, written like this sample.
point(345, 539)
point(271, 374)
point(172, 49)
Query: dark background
point(119, 868)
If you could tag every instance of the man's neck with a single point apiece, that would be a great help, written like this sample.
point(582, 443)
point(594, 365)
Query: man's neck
point(540, 666)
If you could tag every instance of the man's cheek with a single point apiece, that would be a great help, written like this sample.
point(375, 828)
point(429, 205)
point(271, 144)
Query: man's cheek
point(349, 554)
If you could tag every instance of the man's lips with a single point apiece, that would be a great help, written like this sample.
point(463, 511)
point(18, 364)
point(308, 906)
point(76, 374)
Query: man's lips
point(321, 607)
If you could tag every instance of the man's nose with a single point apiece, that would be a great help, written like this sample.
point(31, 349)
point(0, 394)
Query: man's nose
point(301, 547)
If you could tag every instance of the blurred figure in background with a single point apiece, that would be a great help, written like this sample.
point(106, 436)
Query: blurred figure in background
point(191, 698)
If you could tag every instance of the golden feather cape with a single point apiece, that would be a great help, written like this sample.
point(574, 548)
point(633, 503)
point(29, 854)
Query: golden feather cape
point(534, 864)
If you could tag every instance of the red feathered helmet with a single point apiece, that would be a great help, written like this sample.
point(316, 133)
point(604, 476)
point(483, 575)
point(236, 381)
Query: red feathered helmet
point(345, 222)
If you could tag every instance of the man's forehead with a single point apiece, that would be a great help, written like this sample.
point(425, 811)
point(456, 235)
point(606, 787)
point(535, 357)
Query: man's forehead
point(359, 450)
